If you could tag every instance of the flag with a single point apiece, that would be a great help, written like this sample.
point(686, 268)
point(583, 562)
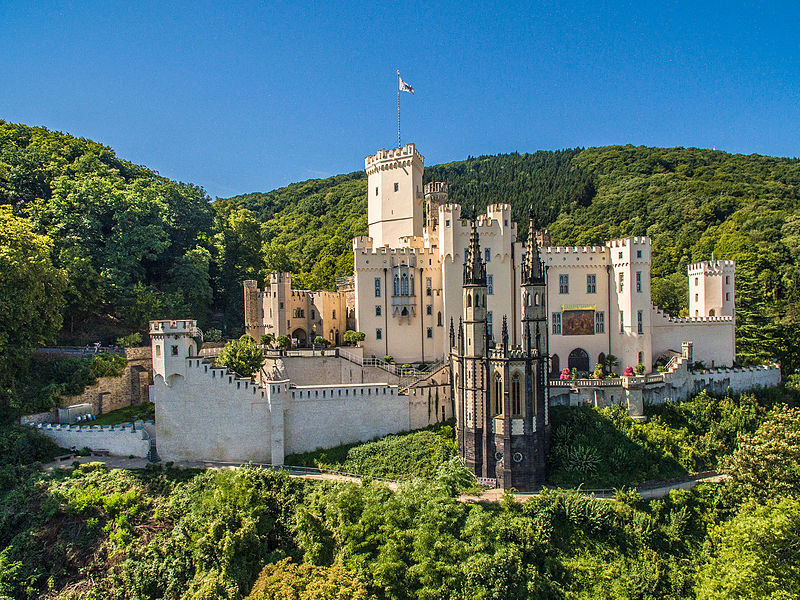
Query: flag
point(403, 86)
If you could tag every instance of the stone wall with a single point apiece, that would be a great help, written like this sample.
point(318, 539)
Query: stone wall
point(324, 370)
point(112, 393)
point(117, 440)
point(327, 416)
point(430, 399)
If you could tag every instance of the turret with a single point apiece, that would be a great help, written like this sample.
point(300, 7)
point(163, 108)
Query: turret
point(712, 288)
point(474, 309)
point(172, 343)
point(534, 295)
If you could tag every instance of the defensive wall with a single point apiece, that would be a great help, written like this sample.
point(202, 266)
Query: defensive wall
point(119, 440)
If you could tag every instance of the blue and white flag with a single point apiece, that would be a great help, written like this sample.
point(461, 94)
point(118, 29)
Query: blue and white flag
point(403, 86)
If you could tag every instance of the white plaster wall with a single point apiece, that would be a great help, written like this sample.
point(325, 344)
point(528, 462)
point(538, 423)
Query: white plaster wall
point(713, 338)
point(201, 417)
point(119, 441)
point(343, 415)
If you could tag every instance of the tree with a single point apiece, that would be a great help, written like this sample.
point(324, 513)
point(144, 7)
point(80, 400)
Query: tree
point(286, 580)
point(130, 341)
point(354, 337)
point(267, 339)
point(321, 341)
point(242, 356)
point(31, 295)
point(766, 464)
point(754, 555)
point(283, 342)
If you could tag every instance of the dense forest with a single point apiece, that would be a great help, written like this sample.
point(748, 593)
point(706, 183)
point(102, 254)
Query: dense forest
point(93, 246)
point(249, 533)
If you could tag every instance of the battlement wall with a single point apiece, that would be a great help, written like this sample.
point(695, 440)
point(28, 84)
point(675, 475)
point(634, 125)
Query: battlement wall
point(630, 241)
point(711, 267)
point(389, 159)
point(120, 440)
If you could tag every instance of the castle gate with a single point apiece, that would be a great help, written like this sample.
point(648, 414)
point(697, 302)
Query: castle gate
point(579, 360)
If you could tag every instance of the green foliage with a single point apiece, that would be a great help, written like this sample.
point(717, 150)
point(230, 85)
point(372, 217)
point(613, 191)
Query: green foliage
point(754, 555)
point(400, 456)
point(242, 356)
point(130, 341)
point(213, 335)
point(286, 580)
point(321, 341)
point(31, 298)
point(354, 337)
point(284, 342)
point(143, 411)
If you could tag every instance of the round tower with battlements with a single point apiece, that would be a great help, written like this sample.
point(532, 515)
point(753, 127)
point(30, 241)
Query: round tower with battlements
point(711, 288)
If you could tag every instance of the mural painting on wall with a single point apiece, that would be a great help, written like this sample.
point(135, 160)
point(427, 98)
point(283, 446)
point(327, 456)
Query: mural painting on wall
point(577, 321)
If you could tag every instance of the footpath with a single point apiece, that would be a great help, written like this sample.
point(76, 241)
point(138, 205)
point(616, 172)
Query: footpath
point(648, 492)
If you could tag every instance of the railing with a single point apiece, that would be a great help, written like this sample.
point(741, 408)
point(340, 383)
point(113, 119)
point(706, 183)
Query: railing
point(613, 382)
point(80, 350)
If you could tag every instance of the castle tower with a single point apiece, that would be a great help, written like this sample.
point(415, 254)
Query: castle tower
point(394, 195)
point(711, 289)
point(435, 196)
point(253, 325)
point(474, 417)
point(172, 343)
point(534, 297)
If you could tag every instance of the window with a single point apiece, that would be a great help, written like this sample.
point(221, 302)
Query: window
point(490, 284)
point(621, 282)
point(697, 297)
point(638, 254)
point(378, 334)
point(280, 305)
point(428, 287)
point(439, 318)
point(487, 254)
point(621, 322)
point(498, 394)
point(639, 323)
point(429, 309)
point(313, 314)
point(396, 285)
point(377, 310)
point(727, 296)
point(174, 351)
point(447, 223)
point(377, 287)
point(563, 284)
point(696, 281)
point(516, 404)
point(430, 332)
point(641, 358)
point(591, 284)
point(620, 255)
point(638, 281)
point(505, 222)
point(599, 322)
point(556, 323)
point(396, 186)
point(334, 314)
point(489, 326)
point(376, 190)
point(727, 279)
point(158, 349)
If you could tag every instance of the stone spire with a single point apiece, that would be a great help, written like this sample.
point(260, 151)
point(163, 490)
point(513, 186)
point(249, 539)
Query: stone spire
point(532, 271)
point(452, 334)
point(505, 334)
point(474, 267)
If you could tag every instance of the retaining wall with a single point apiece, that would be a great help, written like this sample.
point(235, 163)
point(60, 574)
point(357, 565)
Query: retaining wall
point(118, 440)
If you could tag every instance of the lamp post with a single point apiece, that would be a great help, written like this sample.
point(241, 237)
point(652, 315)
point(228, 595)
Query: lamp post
point(313, 339)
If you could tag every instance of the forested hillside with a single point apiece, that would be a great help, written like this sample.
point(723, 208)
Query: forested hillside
point(93, 246)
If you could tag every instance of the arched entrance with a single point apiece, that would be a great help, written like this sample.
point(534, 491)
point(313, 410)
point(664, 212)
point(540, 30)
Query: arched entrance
point(301, 337)
point(555, 366)
point(579, 360)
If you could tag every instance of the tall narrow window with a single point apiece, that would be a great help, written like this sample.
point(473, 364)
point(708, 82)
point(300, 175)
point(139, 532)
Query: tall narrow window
point(378, 334)
point(621, 282)
point(621, 322)
point(490, 284)
point(599, 322)
point(498, 394)
point(727, 279)
point(639, 322)
point(377, 287)
point(429, 309)
point(563, 284)
point(489, 326)
point(377, 310)
point(556, 323)
point(396, 186)
point(430, 332)
point(439, 319)
point(428, 287)
point(638, 281)
point(516, 404)
point(591, 284)
point(487, 254)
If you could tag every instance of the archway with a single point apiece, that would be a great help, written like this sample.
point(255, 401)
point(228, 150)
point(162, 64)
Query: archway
point(301, 337)
point(578, 360)
point(555, 363)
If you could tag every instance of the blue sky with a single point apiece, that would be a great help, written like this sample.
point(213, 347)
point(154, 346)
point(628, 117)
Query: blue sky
point(250, 96)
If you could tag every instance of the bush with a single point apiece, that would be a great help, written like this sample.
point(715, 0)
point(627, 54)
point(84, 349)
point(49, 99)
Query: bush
point(354, 337)
point(388, 358)
point(213, 335)
point(130, 341)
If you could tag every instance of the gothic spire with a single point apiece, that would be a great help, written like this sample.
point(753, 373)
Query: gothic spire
point(532, 271)
point(505, 332)
point(452, 334)
point(474, 267)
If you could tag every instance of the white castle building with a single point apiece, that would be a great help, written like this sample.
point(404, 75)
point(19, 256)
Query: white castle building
point(408, 284)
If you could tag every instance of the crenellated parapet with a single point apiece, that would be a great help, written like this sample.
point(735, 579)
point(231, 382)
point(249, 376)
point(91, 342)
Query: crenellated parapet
point(384, 159)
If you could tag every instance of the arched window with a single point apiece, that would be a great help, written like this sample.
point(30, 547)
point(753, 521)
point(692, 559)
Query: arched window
point(469, 300)
point(601, 359)
point(404, 284)
point(498, 394)
point(404, 312)
point(579, 360)
point(536, 299)
point(711, 313)
point(555, 365)
point(396, 286)
point(412, 285)
point(439, 318)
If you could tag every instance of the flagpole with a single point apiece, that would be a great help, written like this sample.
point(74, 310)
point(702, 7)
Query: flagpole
point(399, 145)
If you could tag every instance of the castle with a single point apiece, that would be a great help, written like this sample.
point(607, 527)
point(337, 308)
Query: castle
point(407, 286)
